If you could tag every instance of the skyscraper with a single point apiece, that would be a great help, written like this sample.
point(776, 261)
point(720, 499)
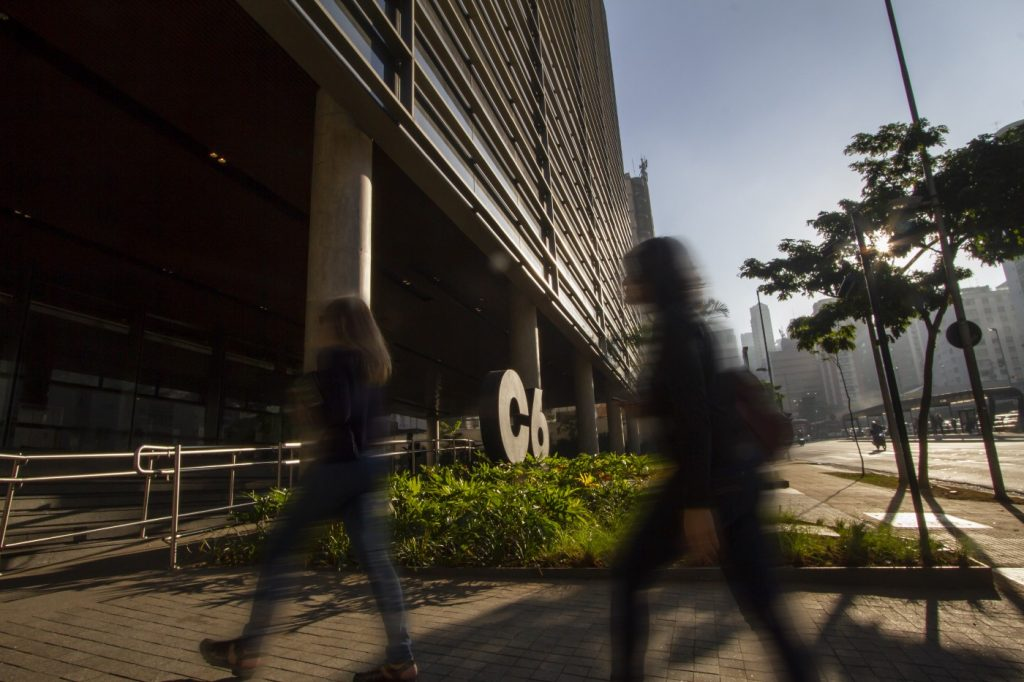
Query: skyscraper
point(763, 339)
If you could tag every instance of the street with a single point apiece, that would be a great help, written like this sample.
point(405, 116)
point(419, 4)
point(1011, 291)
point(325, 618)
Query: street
point(951, 460)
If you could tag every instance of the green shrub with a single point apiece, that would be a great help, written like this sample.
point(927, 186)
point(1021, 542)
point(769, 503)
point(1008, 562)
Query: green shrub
point(554, 512)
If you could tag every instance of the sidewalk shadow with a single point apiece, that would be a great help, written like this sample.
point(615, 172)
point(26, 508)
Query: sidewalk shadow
point(567, 623)
point(928, 653)
point(829, 498)
point(894, 505)
point(1012, 508)
point(1012, 596)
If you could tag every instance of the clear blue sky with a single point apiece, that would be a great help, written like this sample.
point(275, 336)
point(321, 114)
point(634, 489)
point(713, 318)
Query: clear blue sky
point(743, 108)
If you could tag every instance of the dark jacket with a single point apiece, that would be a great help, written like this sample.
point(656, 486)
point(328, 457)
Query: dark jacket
point(350, 404)
point(680, 394)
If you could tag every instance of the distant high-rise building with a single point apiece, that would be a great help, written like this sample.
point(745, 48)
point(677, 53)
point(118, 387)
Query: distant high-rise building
point(763, 339)
point(1014, 271)
point(1000, 353)
point(727, 354)
point(839, 376)
point(640, 203)
point(746, 348)
point(798, 374)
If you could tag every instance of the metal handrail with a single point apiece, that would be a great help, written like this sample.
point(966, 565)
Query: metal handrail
point(396, 449)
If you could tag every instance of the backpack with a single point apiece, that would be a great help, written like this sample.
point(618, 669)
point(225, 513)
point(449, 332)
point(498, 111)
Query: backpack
point(304, 408)
point(772, 430)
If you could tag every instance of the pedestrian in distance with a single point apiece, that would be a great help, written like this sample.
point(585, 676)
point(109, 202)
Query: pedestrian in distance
point(714, 464)
point(877, 435)
point(340, 401)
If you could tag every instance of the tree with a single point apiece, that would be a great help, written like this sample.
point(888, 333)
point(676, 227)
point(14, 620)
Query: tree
point(712, 307)
point(981, 190)
point(981, 186)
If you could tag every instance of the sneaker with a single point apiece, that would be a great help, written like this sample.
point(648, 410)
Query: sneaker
point(404, 672)
point(237, 655)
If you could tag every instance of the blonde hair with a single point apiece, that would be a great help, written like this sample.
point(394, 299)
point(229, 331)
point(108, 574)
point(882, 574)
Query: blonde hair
point(354, 327)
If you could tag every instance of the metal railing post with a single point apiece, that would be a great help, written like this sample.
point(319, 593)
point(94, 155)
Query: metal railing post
point(8, 503)
point(231, 480)
point(145, 500)
point(175, 506)
point(279, 452)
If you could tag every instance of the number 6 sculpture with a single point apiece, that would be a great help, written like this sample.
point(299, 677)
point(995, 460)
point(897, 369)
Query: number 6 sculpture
point(511, 420)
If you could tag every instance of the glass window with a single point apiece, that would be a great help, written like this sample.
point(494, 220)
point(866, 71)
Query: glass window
point(365, 39)
point(8, 348)
point(174, 376)
point(253, 394)
point(70, 392)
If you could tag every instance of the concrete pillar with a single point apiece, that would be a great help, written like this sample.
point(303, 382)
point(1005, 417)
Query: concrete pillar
point(616, 437)
point(339, 214)
point(524, 340)
point(434, 434)
point(586, 410)
point(633, 435)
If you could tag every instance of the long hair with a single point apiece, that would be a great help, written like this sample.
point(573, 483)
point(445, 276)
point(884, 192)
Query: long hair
point(354, 327)
point(664, 265)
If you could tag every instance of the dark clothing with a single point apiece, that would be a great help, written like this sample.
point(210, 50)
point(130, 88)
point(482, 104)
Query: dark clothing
point(747, 564)
point(342, 483)
point(679, 395)
point(746, 559)
point(350, 404)
point(717, 466)
point(346, 490)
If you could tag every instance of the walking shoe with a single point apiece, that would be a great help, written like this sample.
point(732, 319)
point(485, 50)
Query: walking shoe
point(404, 672)
point(237, 655)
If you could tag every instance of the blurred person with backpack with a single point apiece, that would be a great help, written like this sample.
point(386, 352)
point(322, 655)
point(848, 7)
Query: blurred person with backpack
point(716, 432)
point(336, 406)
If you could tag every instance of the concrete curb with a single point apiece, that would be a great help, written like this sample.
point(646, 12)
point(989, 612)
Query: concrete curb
point(945, 577)
point(1006, 583)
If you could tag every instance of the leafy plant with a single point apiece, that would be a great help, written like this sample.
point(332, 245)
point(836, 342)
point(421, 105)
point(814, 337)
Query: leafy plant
point(554, 512)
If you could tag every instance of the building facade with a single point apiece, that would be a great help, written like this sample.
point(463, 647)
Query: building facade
point(185, 184)
point(1001, 350)
point(640, 204)
point(763, 339)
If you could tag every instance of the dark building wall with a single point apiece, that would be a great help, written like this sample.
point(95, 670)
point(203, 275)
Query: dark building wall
point(154, 204)
point(504, 113)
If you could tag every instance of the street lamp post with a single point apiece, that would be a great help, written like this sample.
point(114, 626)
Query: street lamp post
point(892, 387)
point(980, 404)
point(1002, 355)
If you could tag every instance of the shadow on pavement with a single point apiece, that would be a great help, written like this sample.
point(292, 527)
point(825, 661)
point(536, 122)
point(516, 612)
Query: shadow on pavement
point(566, 623)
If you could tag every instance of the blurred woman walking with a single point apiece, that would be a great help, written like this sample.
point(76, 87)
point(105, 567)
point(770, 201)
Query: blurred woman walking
point(714, 462)
point(343, 396)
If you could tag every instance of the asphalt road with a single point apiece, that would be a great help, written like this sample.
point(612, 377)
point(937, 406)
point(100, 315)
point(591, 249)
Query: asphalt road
point(954, 461)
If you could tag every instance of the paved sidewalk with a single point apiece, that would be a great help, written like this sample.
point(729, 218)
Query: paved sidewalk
point(73, 623)
point(146, 628)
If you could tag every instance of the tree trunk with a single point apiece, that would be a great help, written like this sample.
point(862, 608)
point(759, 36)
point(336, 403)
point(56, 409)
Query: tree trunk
point(897, 445)
point(933, 327)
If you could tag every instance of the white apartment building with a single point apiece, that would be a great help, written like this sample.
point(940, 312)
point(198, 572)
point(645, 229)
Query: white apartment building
point(1000, 352)
point(799, 376)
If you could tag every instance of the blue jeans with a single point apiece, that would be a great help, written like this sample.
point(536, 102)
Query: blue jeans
point(349, 491)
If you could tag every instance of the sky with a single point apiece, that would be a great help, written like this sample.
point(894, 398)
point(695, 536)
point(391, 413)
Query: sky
point(742, 109)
